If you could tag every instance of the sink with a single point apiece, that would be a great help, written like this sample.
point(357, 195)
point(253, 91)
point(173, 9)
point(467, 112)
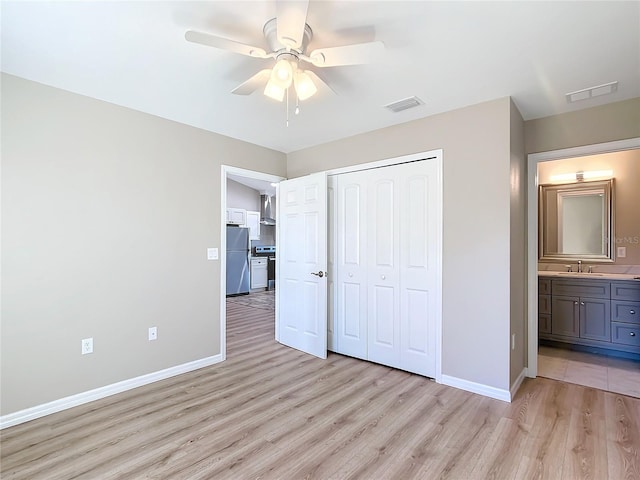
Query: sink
point(586, 274)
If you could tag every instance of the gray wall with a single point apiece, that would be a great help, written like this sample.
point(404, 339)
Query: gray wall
point(477, 273)
point(241, 196)
point(615, 121)
point(106, 217)
point(518, 259)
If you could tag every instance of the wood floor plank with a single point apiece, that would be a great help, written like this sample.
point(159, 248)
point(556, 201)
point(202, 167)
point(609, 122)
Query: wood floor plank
point(272, 412)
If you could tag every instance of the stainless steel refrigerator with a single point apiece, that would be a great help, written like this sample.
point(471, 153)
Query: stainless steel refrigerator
point(237, 260)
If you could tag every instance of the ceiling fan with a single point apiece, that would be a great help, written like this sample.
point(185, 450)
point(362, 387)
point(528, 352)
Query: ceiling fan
point(287, 37)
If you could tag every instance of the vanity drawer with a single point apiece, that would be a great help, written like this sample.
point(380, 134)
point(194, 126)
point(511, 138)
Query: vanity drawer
point(544, 323)
point(583, 288)
point(544, 303)
point(625, 291)
point(625, 333)
point(544, 286)
point(622, 311)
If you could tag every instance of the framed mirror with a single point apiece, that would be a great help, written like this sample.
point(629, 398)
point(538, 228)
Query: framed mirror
point(576, 221)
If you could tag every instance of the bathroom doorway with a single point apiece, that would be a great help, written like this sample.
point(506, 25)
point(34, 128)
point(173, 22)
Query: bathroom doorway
point(567, 364)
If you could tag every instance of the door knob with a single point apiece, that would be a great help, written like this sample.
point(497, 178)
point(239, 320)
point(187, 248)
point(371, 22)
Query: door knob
point(319, 274)
point(383, 277)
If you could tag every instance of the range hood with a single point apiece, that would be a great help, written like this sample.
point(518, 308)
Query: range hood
point(267, 215)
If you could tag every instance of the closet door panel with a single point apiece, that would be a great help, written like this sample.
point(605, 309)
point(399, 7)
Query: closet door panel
point(418, 253)
point(352, 271)
point(383, 278)
point(332, 306)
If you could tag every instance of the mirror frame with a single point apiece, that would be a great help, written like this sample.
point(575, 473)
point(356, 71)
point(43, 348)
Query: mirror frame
point(608, 189)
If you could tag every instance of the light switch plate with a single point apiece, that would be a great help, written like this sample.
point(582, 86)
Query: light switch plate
point(212, 254)
point(622, 252)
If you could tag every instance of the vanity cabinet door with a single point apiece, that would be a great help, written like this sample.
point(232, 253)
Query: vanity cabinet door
point(566, 316)
point(595, 319)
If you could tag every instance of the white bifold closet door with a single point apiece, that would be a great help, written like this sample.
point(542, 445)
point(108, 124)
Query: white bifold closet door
point(385, 265)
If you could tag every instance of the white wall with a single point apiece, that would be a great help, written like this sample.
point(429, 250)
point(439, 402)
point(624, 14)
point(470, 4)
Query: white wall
point(106, 217)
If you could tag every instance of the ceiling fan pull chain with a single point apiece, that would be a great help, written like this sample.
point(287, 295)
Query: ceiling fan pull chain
point(297, 111)
point(286, 92)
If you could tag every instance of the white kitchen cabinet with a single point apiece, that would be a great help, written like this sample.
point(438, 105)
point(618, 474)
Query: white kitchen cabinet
point(236, 216)
point(259, 276)
point(253, 224)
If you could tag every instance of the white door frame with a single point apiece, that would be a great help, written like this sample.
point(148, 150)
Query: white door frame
point(241, 172)
point(435, 155)
point(532, 228)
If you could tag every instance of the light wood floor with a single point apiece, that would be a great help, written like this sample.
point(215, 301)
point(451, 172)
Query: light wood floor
point(271, 412)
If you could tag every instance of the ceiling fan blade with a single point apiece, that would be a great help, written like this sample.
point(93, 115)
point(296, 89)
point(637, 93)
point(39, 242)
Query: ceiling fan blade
point(224, 44)
point(346, 55)
point(255, 82)
point(292, 17)
point(319, 81)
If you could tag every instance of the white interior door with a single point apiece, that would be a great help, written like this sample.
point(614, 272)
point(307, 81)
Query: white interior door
point(383, 273)
point(351, 272)
point(302, 264)
point(419, 272)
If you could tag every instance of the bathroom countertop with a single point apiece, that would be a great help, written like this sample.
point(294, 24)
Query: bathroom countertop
point(593, 276)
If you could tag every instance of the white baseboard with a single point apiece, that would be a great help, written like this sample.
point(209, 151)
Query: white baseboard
point(479, 388)
point(38, 411)
point(516, 385)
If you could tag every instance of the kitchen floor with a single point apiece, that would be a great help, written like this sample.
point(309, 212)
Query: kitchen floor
point(606, 373)
point(264, 300)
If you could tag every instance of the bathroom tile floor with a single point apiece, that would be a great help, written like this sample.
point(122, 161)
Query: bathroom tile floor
point(606, 373)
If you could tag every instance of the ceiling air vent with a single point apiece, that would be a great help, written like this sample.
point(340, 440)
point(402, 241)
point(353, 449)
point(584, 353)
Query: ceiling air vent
point(591, 92)
point(404, 104)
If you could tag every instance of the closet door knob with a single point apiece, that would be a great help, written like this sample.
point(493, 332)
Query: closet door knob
point(575, 303)
point(581, 303)
point(383, 277)
point(350, 275)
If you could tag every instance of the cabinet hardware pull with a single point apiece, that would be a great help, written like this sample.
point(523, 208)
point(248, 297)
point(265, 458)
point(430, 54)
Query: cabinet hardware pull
point(575, 303)
point(581, 303)
point(383, 277)
point(633, 334)
point(632, 312)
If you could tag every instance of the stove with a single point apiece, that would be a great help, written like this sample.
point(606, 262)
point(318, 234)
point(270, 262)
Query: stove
point(264, 251)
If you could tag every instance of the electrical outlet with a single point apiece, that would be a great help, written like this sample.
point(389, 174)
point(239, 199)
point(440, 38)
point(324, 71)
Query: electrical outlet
point(87, 345)
point(622, 252)
point(212, 254)
point(153, 333)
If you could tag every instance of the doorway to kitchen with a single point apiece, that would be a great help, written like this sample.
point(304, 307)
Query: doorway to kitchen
point(243, 193)
point(577, 364)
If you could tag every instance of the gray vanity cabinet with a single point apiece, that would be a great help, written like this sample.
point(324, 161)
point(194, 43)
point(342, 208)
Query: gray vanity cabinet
point(566, 316)
point(625, 314)
point(588, 312)
point(581, 317)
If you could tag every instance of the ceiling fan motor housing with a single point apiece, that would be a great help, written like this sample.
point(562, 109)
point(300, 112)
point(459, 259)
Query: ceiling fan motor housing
point(270, 32)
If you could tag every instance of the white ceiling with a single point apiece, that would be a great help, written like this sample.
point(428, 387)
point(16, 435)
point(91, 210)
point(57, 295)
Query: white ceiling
point(450, 54)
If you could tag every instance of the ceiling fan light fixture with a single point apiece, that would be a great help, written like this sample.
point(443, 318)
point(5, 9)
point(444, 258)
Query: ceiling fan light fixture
point(275, 91)
point(282, 73)
point(303, 84)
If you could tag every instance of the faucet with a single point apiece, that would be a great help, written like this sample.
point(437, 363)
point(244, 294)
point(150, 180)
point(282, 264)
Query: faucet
point(579, 266)
point(568, 267)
